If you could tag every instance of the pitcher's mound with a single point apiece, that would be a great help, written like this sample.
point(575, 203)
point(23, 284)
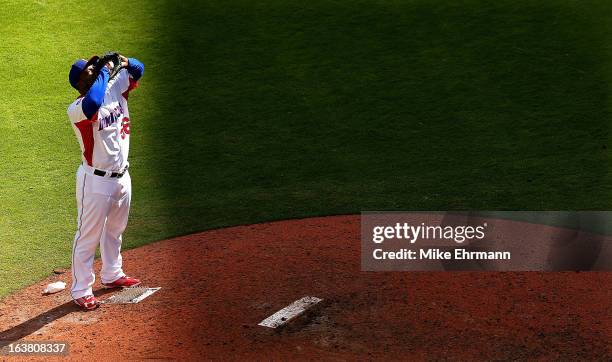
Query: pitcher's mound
point(216, 286)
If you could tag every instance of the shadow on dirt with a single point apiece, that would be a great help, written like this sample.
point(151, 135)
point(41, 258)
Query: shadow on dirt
point(34, 324)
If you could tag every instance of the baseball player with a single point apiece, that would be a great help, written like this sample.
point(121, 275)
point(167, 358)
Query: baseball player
point(101, 122)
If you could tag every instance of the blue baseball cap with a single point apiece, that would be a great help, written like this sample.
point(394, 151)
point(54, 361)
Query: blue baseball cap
point(77, 68)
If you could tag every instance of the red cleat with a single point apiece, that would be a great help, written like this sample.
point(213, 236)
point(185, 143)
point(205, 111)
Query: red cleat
point(123, 282)
point(88, 302)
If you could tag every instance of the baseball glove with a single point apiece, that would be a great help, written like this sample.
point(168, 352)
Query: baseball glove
point(116, 62)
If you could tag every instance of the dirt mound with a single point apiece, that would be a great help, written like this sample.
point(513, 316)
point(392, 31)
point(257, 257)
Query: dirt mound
point(217, 285)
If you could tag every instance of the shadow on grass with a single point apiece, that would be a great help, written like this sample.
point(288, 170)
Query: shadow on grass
point(276, 110)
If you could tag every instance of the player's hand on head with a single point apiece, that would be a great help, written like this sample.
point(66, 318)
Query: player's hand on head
point(124, 61)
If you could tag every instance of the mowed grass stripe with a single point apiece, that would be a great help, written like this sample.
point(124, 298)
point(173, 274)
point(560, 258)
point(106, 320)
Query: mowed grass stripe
point(39, 152)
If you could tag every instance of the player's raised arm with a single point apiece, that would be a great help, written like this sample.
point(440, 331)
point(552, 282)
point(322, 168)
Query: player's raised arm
point(95, 95)
point(135, 68)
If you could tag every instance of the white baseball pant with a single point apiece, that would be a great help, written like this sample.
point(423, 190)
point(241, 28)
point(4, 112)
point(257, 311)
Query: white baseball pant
point(103, 205)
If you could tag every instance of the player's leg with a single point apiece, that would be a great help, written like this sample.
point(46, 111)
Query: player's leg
point(92, 211)
point(110, 243)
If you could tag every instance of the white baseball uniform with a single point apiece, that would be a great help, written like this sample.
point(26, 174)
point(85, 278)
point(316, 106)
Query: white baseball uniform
point(103, 201)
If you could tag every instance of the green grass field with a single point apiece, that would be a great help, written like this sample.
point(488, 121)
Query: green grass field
point(255, 111)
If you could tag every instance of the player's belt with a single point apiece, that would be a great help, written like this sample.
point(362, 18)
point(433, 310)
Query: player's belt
point(105, 173)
